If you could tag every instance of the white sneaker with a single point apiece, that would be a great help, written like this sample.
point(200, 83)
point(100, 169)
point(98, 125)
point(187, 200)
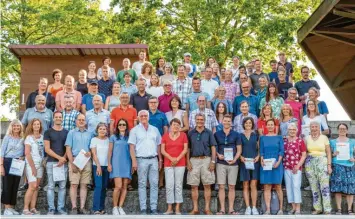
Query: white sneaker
point(248, 211)
point(115, 211)
point(308, 188)
point(255, 211)
point(13, 211)
point(8, 212)
point(121, 211)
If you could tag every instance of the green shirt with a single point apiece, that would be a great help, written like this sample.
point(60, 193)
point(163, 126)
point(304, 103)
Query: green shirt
point(121, 73)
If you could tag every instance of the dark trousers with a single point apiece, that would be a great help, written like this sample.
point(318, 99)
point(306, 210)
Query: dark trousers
point(100, 188)
point(10, 185)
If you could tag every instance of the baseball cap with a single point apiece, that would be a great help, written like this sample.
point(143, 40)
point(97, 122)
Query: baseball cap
point(93, 81)
point(187, 54)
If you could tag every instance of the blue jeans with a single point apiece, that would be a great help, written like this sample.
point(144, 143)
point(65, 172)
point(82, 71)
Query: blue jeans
point(51, 185)
point(148, 168)
point(100, 188)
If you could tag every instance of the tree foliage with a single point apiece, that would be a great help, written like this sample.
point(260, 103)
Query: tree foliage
point(218, 28)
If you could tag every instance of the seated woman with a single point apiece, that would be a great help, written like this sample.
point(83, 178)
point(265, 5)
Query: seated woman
point(342, 180)
point(265, 115)
point(271, 150)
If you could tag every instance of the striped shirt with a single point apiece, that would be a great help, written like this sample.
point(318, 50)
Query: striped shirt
point(183, 89)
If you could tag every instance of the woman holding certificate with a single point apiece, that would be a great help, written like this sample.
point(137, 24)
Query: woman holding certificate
point(342, 180)
point(119, 165)
point(34, 151)
point(12, 148)
point(313, 115)
point(295, 155)
point(250, 165)
point(318, 168)
point(99, 149)
point(271, 153)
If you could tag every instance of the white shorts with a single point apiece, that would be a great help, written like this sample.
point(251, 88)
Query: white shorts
point(32, 178)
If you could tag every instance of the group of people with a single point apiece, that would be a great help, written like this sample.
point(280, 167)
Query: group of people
point(214, 123)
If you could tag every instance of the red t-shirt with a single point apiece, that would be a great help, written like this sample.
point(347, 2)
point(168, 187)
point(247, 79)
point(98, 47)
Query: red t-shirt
point(293, 152)
point(174, 148)
point(130, 114)
point(262, 125)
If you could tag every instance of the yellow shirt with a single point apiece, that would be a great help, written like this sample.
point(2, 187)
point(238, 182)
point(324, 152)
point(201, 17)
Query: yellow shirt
point(316, 148)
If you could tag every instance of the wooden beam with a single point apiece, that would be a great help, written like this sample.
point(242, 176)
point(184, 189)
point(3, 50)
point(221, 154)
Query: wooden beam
point(346, 3)
point(324, 8)
point(346, 86)
point(344, 14)
point(338, 31)
point(339, 39)
point(341, 77)
point(81, 52)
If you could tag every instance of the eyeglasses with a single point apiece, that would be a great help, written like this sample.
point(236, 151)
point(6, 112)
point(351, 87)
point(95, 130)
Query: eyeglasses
point(167, 85)
point(143, 116)
point(199, 137)
point(122, 124)
point(293, 93)
point(153, 102)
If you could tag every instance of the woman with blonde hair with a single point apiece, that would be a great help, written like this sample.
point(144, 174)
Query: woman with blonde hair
point(215, 73)
point(57, 86)
point(147, 71)
point(11, 148)
point(313, 94)
point(168, 75)
point(34, 151)
point(155, 89)
point(81, 85)
point(286, 118)
point(113, 100)
point(265, 115)
point(296, 106)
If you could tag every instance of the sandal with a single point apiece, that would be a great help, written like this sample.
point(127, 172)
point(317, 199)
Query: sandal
point(169, 213)
point(35, 212)
point(221, 213)
point(97, 212)
point(292, 212)
point(280, 212)
point(266, 213)
point(27, 212)
point(130, 188)
point(102, 212)
point(338, 212)
point(233, 213)
point(316, 212)
point(350, 212)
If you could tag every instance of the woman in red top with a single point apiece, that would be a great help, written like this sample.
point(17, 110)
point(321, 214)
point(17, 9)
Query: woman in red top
point(174, 148)
point(265, 115)
point(295, 155)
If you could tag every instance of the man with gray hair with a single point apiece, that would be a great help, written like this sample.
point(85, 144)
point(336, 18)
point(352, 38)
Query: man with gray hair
point(145, 140)
point(39, 111)
point(69, 114)
point(97, 114)
point(210, 118)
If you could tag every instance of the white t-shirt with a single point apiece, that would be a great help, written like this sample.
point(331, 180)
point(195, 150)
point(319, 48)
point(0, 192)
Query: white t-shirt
point(209, 86)
point(155, 91)
point(306, 121)
point(101, 146)
point(37, 148)
point(137, 67)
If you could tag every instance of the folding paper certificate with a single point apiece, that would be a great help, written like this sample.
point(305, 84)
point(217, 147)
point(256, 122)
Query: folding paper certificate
point(228, 154)
point(344, 151)
point(58, 173)
point(269, 163)
point(17, 167)
point(81, 160)
point(249, 163)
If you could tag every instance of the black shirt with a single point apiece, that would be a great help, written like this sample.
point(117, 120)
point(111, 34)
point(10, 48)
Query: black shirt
point(57, 142)
point(140, 102)
point(200, 143)
point(283, 89)
point(50, 101)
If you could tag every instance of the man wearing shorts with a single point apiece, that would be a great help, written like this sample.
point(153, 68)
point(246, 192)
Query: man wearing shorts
point(79, 139)
point(228, 152)
point(201, 162)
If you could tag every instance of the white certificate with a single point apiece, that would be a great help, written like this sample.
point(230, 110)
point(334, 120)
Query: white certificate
point(81, 160)
point(269, 163)
point(344, 151)
point(58, 173)
point(228, 154)
point(249, 163)
point(17, 167)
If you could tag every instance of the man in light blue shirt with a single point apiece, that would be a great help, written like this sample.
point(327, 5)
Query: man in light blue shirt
point(145, 140)
point(39, 112)
point(97, 115)
point(191, 100)
point(79, 139)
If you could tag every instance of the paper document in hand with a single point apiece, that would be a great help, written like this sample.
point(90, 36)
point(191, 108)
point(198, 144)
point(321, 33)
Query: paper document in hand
point(17, 167)
point(269, 163)
point(344, 150)
point(249, 163)
point(58, 173)
point(228, 154)
point(81, 160)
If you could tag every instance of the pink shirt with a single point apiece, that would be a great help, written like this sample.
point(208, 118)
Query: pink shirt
point(62, 94)
point(232, 89)
point(164, 101)
point(296, 108)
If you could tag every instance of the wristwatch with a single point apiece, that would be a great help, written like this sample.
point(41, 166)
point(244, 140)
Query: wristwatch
point(213, 161)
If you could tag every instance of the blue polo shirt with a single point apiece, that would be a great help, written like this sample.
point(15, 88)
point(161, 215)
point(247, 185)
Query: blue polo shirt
point(78, 140)
point(303, 86)
point(253, 104)
point(232, 139)
point(87, 100)
point(158, 120)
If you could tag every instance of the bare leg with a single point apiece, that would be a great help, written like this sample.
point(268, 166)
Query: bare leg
point(267, 196)
point(207, 193)
point(194, 196)
point(246, 193)
point(231, 197)
point(73, 194)
point(123, 192)
point(222, 197)
point(83, 194)
point(254, 192)
point(116, 191)
point(349, 200)
point(32, 187)
point(280, 195)
point(177, 208)
point(35, 195)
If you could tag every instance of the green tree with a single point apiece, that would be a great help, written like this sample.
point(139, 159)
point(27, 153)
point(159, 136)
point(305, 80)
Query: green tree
point(44, 22)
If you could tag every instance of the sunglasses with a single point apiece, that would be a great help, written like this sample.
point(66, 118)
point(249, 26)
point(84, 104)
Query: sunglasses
point(122, 124)
point(198, 137)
